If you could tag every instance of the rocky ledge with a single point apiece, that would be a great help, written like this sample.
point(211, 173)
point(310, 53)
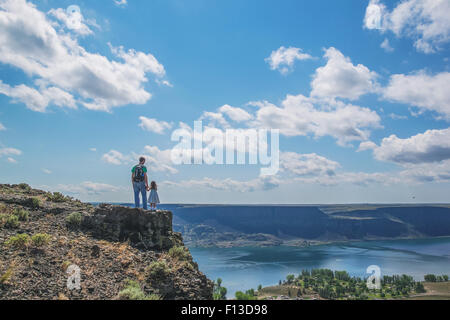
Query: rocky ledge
point(121, 253)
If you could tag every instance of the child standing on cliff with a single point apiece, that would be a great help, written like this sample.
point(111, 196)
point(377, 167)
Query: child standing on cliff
point(153, 198)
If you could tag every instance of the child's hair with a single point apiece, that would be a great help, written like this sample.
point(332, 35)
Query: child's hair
point(153, 186)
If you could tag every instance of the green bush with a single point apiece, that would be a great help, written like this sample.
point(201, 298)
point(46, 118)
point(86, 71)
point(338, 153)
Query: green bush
point(244, 296)
point(158, 269)
point(40, 240)
point(56, 197)
point(180, 253)
point(19, 241)
point(35, 203)
point(430, 278)
point(219, 292)
point(12, 221)
point(133, 291)
point(74, 220)
point(24, 186)
point(21, 214)
point(3, 218)
point(6, 276)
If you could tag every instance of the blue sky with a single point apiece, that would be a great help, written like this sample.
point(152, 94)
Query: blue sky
point(358, 90)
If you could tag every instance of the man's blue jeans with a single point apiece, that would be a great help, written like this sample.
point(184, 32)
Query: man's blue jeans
point(139, 188)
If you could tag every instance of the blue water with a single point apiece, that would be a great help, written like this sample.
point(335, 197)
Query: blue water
point(245, 268)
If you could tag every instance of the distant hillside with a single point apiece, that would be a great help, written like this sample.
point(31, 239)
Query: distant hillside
point(204, 225)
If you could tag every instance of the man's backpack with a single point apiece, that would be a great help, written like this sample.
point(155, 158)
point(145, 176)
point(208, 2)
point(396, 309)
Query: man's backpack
point(139, 174)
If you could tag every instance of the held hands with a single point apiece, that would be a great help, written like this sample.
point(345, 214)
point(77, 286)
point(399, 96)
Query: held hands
point(148, 188)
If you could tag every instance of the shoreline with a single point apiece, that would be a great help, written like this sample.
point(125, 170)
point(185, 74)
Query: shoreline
point(315, 243)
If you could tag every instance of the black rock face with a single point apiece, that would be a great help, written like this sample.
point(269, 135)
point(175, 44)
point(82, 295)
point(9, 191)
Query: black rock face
point(144, 229)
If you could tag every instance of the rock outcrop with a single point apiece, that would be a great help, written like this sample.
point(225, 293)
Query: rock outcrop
point(144, 230)
point(42, 235)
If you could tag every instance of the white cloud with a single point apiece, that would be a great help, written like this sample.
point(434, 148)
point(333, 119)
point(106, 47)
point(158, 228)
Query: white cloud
point(2, 127)
point(115, 157)
point(428, 92)
point(154, 125)
point(38, 100)
point(164, 83)
point(156, 160)
point(394, 116)
point(428, 147)
point(93, 149)
point(283, 59)
point(11, 160)
point(427, 172)
point(375, 12)
point(235, 114)
point(367, 145)
point(121, 3)
point(258, 184)
point(386, 46)
point(88, 188)
point(9, 152)
point(307, 164)
point(72, 20)
point(226, 111)
point(340, 78)
point(301, 116)
point(46, 171)
point(63, 68)
point(215, 119)
point(425, 21)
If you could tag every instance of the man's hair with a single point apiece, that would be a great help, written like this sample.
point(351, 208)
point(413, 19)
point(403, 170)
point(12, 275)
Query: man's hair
point(141, 159)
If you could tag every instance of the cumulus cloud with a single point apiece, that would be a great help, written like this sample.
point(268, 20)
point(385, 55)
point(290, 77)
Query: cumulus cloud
point(87, 188)
point(367, 145)
point(38, 100)
point(301, 116)
point(2, 127)
point(307, 164)
point(420, 89)
point(258, 184)
point(425, 21)
point(115, 157)
point(219, 118)
point(11, 160)
point(9, 152)
point(156, 160)
point(386, 45)
point(235, 114)
point(340, 78)
point(72, 19)
point(215, 119)
point(121, 3)
point(46, 171)
point(283, 59)
point(428, 147)
point(64, 69)
point(159, 160)
point(154, 125)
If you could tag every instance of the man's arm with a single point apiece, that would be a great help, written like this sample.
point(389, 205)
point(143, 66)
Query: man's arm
point(146, 180)
point(132, 177)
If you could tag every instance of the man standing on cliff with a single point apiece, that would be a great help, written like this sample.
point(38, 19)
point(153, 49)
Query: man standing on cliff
point(140, 183)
